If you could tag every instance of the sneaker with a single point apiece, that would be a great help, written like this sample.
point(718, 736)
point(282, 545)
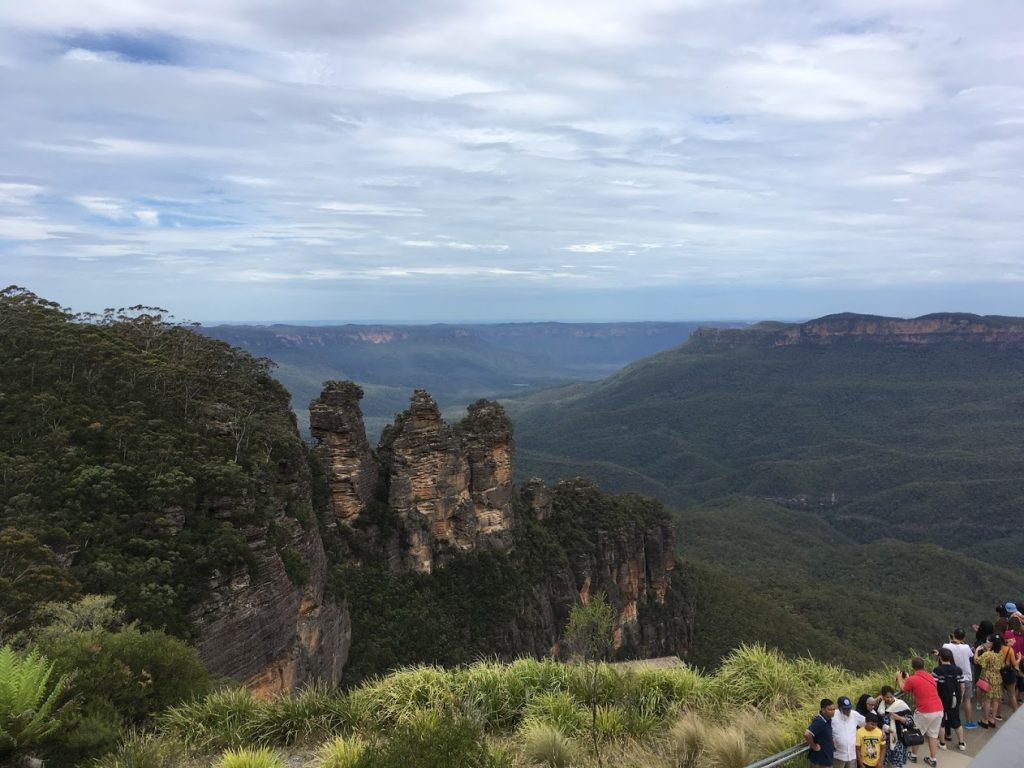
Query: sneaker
point(962, 747)
point(942, 745)
point(913, 757)
point(931, 761)
point(999, 717)
point(971, 725)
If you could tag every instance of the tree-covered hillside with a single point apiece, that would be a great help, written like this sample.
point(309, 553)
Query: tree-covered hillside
point(916, 442)
point(844, 495)
point(134, 453)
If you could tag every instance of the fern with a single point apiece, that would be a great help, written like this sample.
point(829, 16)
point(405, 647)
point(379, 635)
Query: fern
point(28, 701)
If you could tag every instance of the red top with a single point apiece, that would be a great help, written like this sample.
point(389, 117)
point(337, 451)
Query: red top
point(925, 691)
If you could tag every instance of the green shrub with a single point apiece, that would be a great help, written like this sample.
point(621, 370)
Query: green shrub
point(261, 757)
point(139, 673)
point(610, 722)
point(29, 697)
point(222, 719)
point(140, 750)
point(313, 712)
point(559, 710)
point(339, 753)
point(92, 729)
point(755, 676)
point(547, 746)
point(408, 691)
point(430, 739)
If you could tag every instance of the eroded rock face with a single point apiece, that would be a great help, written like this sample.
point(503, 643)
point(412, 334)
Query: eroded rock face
point(450, 489)
point(270, 630)
point(487, 436)
point(336, 423)
point(632, 563)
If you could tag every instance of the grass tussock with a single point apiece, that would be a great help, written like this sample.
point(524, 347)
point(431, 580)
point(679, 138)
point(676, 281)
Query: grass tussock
point(545, 745)
point(527, 712)
point(340, 752)
point(251, 757)
point(143, 750)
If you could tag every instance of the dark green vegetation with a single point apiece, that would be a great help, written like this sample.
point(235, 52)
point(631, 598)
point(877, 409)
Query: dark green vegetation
point(457, 364)
point(87, 677)
point(483, 603)
point(793, 463)
point(132, 452)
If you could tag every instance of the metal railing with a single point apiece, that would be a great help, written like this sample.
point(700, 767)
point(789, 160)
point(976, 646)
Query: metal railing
point(784, 757)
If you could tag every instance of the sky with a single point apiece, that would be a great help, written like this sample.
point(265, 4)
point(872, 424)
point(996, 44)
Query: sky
point(374, 161)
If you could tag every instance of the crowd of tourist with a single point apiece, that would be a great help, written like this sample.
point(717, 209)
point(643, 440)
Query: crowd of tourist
point(883, 731)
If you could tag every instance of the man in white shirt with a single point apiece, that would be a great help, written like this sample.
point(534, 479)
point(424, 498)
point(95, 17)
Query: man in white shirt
point(845, 723)
point(962, 657)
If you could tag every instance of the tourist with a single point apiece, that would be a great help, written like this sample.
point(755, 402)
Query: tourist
point(964, 658)
point(819, 735)
point(989, 657)
point(949, 681)
point(870, 743)
point(928, 716)
point(845, 723)
point(896, 716)
point(865, 704)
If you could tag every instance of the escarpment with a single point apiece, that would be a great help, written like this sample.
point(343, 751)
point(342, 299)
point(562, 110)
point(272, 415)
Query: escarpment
point(442, 492)
point(270, 623)
point(927, 330)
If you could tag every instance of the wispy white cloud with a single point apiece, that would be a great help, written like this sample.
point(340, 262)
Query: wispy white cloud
point(658, 143)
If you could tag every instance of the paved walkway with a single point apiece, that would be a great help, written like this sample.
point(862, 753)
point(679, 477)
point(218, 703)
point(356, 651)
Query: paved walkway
point(953, 758)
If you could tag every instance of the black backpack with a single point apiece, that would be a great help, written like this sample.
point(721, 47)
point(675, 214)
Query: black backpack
point(947, 679)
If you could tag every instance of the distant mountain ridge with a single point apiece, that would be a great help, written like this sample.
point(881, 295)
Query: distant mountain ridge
point(927, 329)
point(458, 364)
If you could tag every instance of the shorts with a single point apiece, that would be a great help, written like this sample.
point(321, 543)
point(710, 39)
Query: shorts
point(951, 718)
point(844, 763)
point(968, 689)
point(928, 723)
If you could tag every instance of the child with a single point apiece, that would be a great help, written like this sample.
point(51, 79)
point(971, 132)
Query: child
point(870, 743)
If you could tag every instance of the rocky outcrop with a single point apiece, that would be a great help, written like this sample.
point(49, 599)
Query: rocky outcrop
point(447, 490)
point(920, 331)
point(268, 628)
point(336, 423)
point(450, 489)
point(631, 561)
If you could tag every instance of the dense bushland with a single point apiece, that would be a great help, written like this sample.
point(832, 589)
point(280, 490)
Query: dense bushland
point(822, 491)
point(117, 431)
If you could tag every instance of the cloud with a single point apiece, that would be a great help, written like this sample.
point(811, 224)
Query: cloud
point(164, 146)
point(369, 209)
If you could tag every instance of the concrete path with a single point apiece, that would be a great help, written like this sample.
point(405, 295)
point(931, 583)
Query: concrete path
point(953, 758)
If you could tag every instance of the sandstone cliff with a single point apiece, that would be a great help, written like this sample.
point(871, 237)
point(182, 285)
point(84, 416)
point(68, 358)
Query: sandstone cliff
point(449, 488)
point(630, 559)
point(270, 629)
point(449, 492)
point(337, 427)
point(920, 331)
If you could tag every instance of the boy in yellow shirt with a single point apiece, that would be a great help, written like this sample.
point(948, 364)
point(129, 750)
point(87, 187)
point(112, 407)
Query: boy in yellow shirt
point(870, 743)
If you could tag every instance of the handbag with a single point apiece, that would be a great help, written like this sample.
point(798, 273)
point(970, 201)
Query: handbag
point(911, 737)
point(983, 685)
